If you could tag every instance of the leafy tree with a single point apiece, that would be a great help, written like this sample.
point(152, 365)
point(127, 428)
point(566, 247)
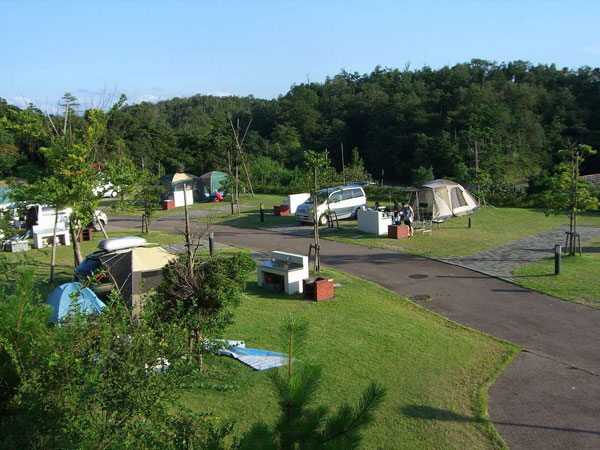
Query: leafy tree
point(148, 193)
point(201, 300)
point(124, 175)
point(49, 191)
point(301, 424)
point(421, 175)
point(319, 175)
point(98, 381)
point(23, 347)
point(568, 193)
point(356, 171)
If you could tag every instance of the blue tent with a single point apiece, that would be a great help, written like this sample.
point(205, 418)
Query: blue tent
point(61, 300)
point(5, 200)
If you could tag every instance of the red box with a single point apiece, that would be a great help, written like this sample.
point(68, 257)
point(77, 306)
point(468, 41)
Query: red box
point(168, 204)
point(282, 210)
point(398, 231)
point(318, 288)
point(86, 235)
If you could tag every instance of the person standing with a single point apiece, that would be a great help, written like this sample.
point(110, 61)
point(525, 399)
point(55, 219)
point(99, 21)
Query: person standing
point(396, 211)
point(408, 215)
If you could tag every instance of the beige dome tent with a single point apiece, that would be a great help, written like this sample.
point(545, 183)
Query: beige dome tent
point(442, 199)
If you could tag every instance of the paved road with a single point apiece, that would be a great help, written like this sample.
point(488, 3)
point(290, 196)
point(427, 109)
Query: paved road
point(547, 398)
point(501, 261)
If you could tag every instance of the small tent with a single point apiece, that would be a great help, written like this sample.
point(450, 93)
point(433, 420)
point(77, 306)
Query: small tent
point(214, 181)
point(5, 200)
point(174, 185)
point(70, 297)
point(135, 271)
point(442, 199)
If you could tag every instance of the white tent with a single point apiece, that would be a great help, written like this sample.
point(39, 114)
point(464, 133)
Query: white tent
point(442, 199)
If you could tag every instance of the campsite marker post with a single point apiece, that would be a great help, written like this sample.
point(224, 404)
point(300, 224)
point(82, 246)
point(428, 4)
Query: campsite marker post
point(557, 259)
point(469, 222)
point(262, 212)
point(211, 243)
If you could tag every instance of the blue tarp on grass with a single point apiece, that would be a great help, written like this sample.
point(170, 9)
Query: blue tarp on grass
point(257, 359)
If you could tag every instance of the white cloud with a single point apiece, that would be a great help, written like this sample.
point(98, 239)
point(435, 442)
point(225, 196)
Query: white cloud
point(223, 94)
point(22, 101)
point(593, 50)
point(146, 98)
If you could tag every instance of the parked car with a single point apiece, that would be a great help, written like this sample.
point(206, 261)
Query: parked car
point(91, 265)
point(105, 189)
point(344, 201)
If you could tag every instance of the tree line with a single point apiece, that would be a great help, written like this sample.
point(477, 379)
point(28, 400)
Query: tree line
point(507, 122)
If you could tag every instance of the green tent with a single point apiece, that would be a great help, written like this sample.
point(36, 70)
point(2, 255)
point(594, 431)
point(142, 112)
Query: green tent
point(214, 181)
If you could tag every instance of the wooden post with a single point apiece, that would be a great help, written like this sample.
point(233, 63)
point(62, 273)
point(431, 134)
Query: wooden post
point(187, 233)
point(343, 167)
point(53, 256)
point(316, 222)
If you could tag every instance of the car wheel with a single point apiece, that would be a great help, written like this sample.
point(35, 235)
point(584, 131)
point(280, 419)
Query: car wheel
point(323, 220)
point(96, 225)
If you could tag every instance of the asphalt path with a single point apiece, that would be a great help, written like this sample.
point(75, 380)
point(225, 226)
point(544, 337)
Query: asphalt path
point(547, 398)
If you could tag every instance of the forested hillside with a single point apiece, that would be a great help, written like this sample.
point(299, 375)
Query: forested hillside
point(514, 115)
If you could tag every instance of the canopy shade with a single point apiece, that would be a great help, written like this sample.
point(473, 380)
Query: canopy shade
point(177, 178)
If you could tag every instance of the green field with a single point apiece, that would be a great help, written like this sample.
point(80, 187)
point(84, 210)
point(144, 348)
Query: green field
point(579, 281)
point(490, 227)
point(436, 371)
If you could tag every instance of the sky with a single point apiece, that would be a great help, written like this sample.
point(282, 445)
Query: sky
point(153, 50)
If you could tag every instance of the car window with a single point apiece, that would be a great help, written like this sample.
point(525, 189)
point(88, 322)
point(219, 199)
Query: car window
point(357, 193)
point(347, 194)
point(335, 197)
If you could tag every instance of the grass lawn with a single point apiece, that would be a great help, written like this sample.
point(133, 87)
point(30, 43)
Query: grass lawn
point(491, 227)
point(579, 281)
point(436, 371)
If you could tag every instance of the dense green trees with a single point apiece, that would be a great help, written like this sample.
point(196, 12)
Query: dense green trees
point(508, 119)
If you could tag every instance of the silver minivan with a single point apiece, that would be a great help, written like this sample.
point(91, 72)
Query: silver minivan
point(344, 201)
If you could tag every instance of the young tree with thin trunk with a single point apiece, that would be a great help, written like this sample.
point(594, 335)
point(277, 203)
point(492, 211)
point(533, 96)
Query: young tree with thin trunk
point(568, 193)
point(48, 191)
point(201, 299)
point(300, 424)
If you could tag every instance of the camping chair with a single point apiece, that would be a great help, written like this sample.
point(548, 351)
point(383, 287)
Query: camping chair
point(437, 223)
point(424, 224)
